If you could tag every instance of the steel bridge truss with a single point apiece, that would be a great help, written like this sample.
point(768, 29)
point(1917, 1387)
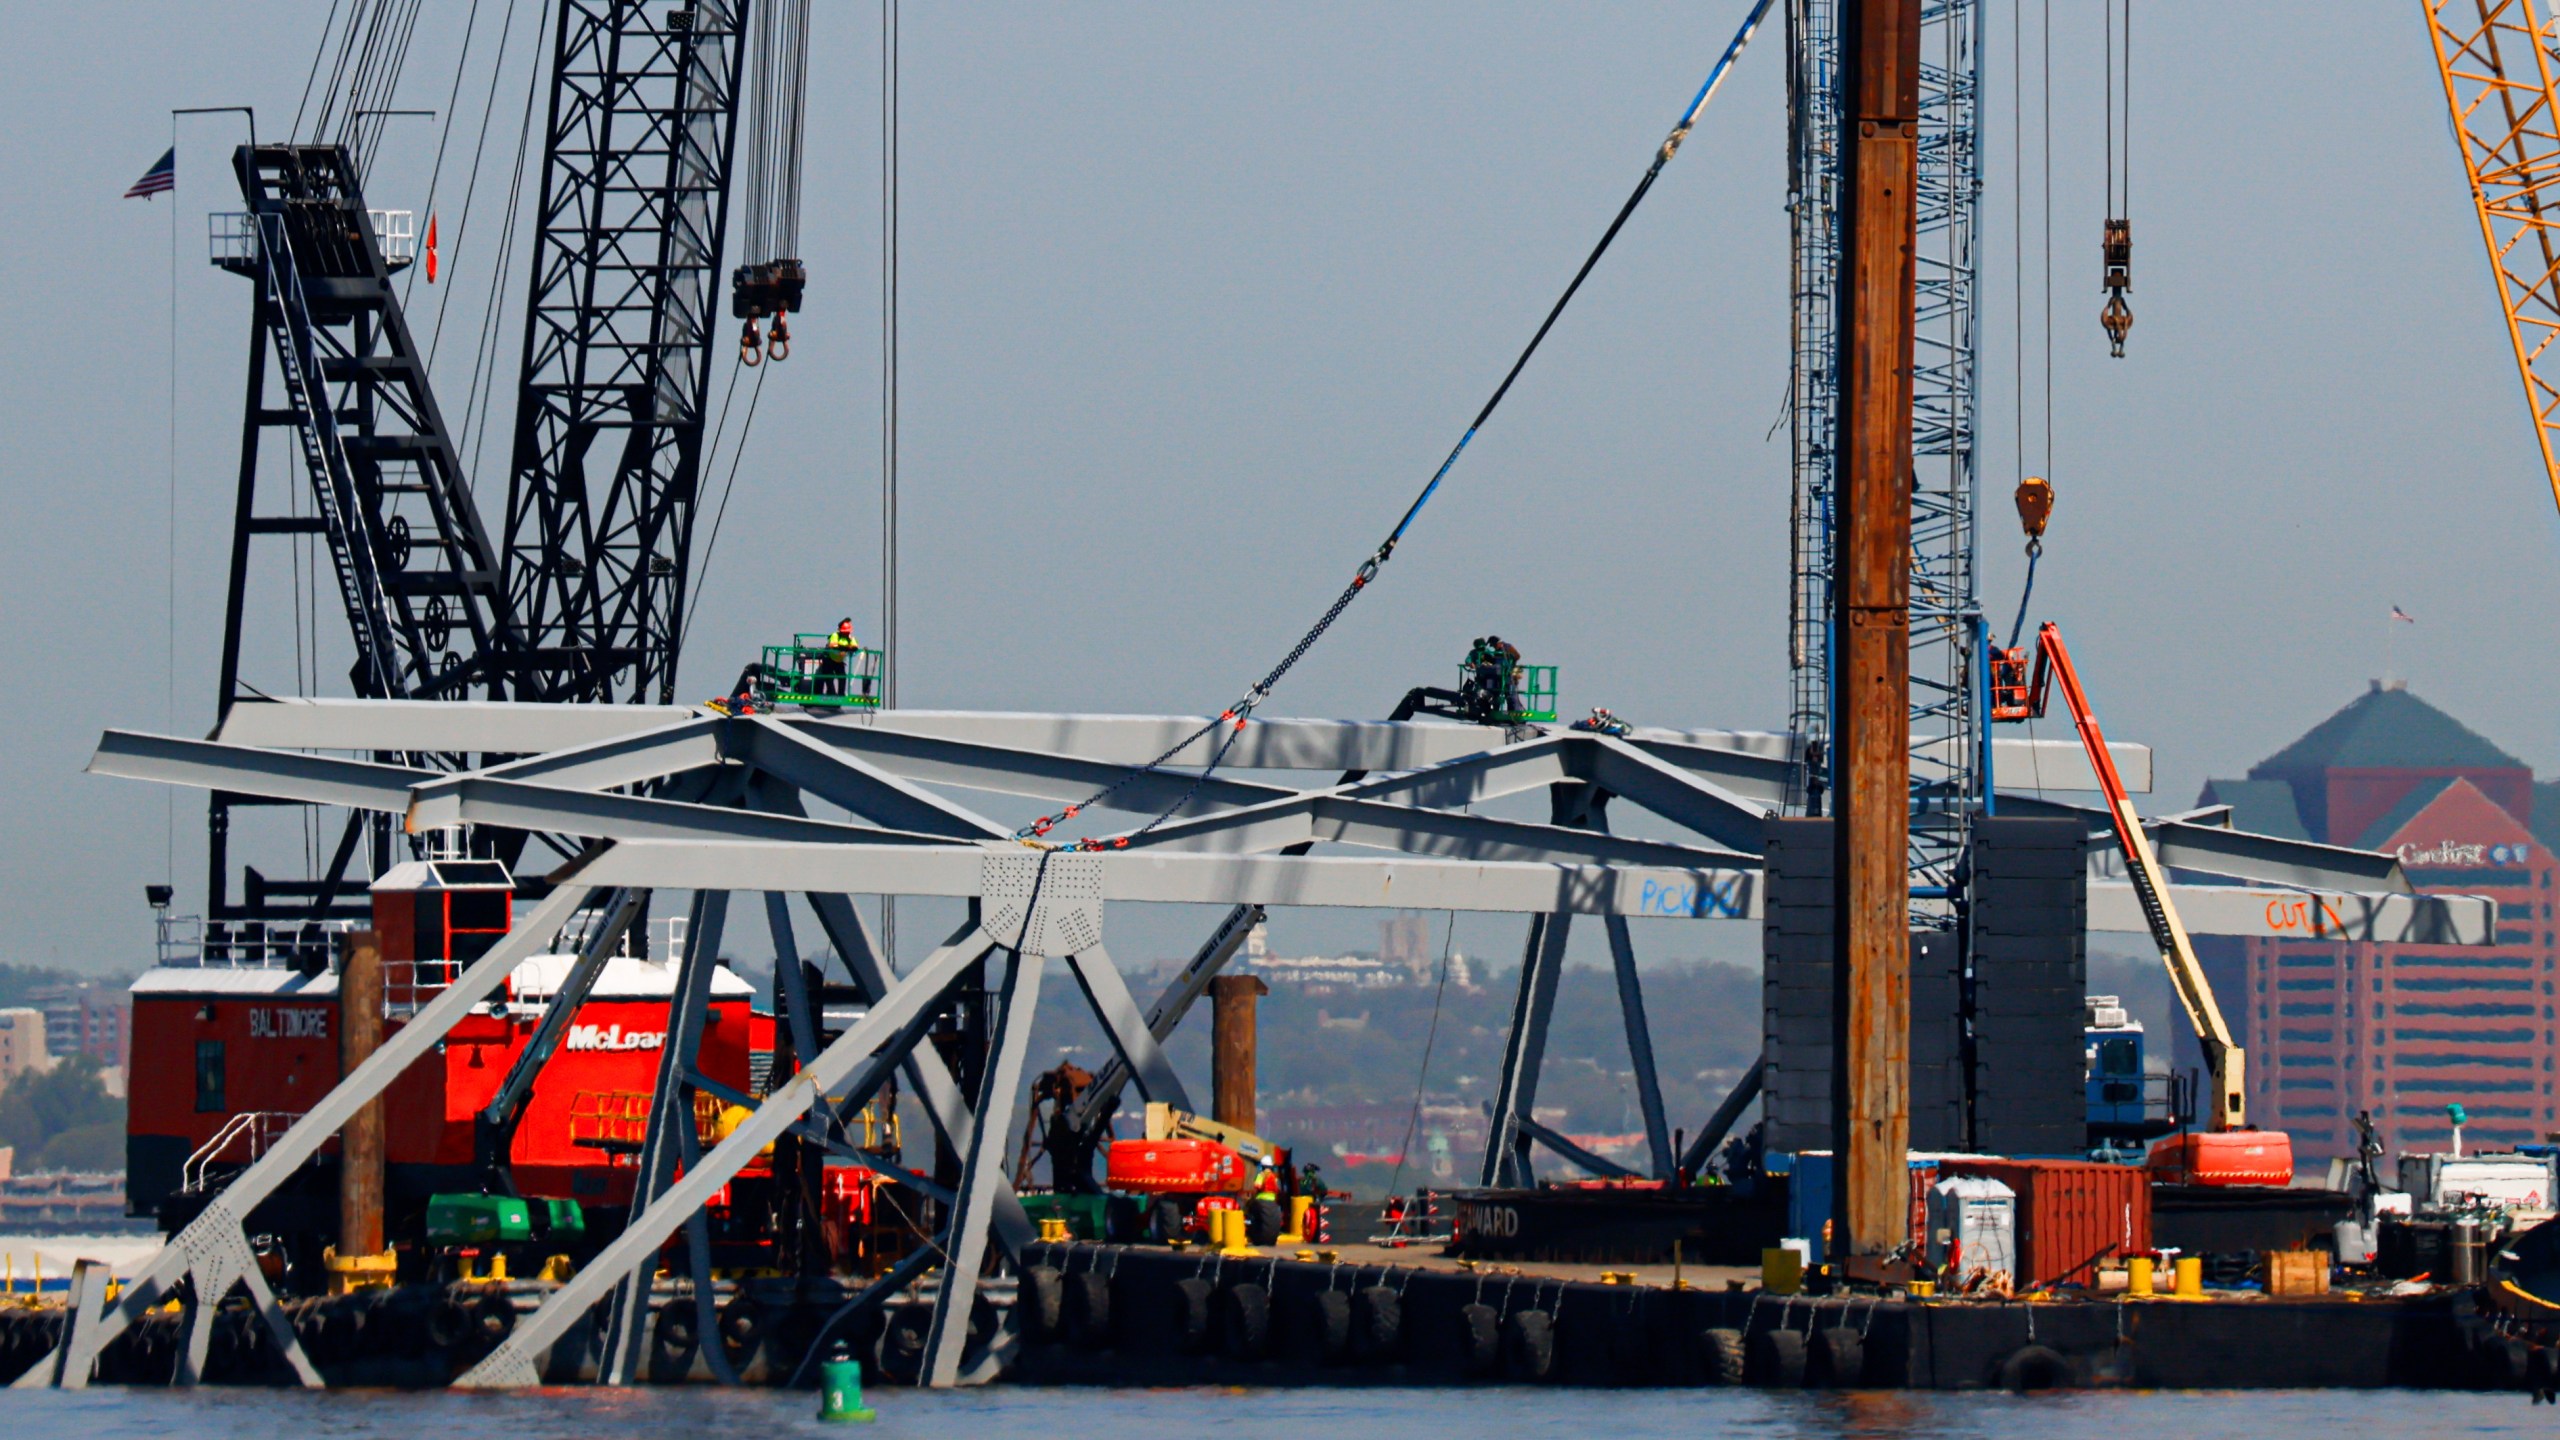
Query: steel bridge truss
point(609, 417)
point(684, 800)
point(1948, 758)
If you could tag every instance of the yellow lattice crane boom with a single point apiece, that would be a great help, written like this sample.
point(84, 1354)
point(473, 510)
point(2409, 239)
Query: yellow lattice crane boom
point(2496, 60)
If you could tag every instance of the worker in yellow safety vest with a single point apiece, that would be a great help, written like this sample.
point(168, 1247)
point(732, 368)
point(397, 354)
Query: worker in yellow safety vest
point(841, 647)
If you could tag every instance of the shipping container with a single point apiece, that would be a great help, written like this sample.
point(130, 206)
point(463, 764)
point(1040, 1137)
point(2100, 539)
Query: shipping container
point(2072, 1214)
point(1809, 1191)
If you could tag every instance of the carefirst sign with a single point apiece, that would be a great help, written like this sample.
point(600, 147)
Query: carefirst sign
point(2457, 854)
point(613, 1037)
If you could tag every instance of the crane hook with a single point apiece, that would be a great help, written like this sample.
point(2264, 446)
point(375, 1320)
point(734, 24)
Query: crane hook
point(747, 342)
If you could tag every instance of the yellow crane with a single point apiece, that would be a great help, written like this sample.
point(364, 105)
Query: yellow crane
point(2495, 57)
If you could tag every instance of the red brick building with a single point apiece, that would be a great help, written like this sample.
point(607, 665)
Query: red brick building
point(2403, 1030)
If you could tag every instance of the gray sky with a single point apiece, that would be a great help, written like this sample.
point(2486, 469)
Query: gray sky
point(1195, 298)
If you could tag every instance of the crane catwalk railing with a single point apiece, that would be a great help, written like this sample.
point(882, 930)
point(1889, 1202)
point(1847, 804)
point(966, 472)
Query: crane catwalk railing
point(2496, 61)
point(342, 512)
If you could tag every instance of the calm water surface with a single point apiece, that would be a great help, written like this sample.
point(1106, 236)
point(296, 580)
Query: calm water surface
point(1486, 1414)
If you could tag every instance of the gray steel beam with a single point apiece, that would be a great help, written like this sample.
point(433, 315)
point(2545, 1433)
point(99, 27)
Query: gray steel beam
point(621, 910)
point(1563, 1145)
point(1736, 1100)
point(857, 1061)
point(1675, 794)
point(209, 1238)
point(1751, 777)
point(837, 777)
point(964, 1241)
point(2305, 914)
point(1185, 990)
point(669, 1141)
point(1357, 882)
point(935, 1087)
point(1524, 1053)
point(621, 760)
point(1133, 1043)
point(2185, 844)
point(787, 979)
point(1438, 833)
point(1275, 744)
point(270, 774)
point(479, 727)
point(1657, 1127)
point(469, 800)
point(937, 760)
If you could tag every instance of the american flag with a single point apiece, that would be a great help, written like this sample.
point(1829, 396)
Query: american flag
point(161, 178)
point(2399, 614)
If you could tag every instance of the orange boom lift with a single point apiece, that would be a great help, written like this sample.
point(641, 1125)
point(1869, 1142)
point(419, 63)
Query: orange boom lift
point(2230, 1153)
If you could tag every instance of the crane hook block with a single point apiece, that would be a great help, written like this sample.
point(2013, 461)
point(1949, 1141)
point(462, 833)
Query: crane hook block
point(2116, 253)
point(2035, 505)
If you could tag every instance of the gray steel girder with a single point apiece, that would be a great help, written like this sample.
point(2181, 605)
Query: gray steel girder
point(840, 778)
point(964, 1239)
point(273, 774)
point(2184, 844)
point(858, 1059)
point(1133, 1043)
point(213, 1233)
point(1524, 1053)
point(669, 1142)
point(1356, 882)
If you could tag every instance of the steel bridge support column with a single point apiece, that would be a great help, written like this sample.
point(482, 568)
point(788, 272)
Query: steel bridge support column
point(671, 1140)
point(1657, 1129)
point(1880, 68)
point(982, 1172)
point(857, 1062)
point(1506, 1145)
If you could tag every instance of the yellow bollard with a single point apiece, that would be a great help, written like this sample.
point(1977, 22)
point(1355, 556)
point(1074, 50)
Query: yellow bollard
point(1231, 1226)
point(1299, 1205)
point(2190, 1277)
point(2138, 1277)
point(1053, 1229)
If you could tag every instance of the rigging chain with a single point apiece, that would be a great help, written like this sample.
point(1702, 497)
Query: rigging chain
point(1237, 715)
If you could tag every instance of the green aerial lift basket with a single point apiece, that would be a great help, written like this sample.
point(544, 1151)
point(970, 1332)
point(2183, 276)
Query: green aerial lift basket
point(1530, 698)
point(807, 672)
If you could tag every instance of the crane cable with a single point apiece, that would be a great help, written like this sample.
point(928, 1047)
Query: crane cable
point(1236, 716)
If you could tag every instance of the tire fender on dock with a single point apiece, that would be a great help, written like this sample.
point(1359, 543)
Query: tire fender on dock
point(1529, 1346)
point(1837, 1359)
point(1194, 1316)
point(674, 1343)
point(1244, 1331)
point(742, 1328)
point(1324, 1327)
point(1720, 1348)
point(1043, 1303)
point(1087, 1309)
point(1479, 1341)
point(2036, 1367)
point(1377, 1325)
point(1775, 1359)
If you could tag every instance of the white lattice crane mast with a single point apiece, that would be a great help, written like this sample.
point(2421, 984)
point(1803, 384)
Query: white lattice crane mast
point(2495, 57)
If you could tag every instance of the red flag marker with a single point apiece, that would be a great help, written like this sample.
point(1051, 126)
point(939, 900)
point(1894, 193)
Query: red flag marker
point(431, 249)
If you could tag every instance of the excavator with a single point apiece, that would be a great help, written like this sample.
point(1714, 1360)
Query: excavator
point(2230, 1151)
